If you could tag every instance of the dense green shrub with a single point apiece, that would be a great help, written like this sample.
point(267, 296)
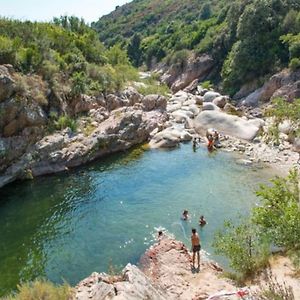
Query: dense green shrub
point(279, 212)
point(7, 51)
point(246, 251)
point(79, 83)
point(294, 64)
point(65, 122)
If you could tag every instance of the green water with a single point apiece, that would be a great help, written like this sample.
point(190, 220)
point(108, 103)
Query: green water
point(66, 226)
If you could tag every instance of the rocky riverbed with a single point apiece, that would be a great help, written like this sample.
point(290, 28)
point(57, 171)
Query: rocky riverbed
point(112, 123)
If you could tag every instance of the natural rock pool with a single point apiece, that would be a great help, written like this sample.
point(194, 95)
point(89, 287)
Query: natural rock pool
point(66, 226)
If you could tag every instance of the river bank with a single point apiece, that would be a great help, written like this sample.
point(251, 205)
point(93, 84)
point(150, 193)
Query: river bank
point(165, 273)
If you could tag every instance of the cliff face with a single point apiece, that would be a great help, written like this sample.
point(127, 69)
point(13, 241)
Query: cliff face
point(30, 146)
point(165, 274)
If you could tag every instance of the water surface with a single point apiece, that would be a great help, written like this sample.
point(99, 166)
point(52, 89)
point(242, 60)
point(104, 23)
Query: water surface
point(66, 226)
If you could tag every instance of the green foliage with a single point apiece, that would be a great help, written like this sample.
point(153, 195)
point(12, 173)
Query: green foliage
point(41, 289)
point(117, 56)
point(205, 11)
point(276, 221)
point(243, 37)
point(65, 122)
point(206, 84)
point(64, 49)
point(294, 64)
point(152, 85)
point(179, 59)
point(160, 89)
point(242, 245)
point(79, 83)
point(134, 50)
point(283, 110)
point(279, 212)
point(7, 51)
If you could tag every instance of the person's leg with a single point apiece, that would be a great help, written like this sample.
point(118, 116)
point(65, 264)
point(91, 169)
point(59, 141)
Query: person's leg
point(198, 257)
point(193, 259)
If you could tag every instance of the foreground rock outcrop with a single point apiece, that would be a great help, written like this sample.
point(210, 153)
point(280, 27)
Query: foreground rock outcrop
point(165, 274)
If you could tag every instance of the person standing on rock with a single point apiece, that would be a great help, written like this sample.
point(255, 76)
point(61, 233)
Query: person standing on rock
point(196, 247)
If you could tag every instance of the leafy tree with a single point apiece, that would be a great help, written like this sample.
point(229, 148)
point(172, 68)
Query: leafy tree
point(117, 56)
point(242, 244)
point(279, 213)
point(134, 50)
point(205, 11)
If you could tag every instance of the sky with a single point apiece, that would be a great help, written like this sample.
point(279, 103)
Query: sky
point(38, 10)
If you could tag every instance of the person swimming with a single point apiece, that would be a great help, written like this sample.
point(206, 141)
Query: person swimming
point(202, 221)
point(185, 215)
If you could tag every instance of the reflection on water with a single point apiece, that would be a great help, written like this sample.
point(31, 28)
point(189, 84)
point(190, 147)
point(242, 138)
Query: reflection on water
point(66, 226)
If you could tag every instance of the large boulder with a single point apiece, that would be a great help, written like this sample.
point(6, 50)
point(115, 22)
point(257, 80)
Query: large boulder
point(130, 284)
point(253, 99)
point(196, 68)
point(151, 102)
point(246, 90)
point(113, 102)
point(7, 84)
point(226, 124)
point(85, 103)
point(289, 92)
point(17, 117)
point(132, 95)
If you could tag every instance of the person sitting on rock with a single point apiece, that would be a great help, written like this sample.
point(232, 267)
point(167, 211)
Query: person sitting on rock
point(202, 221)
point(185, 215)
point(216, 138)
point(210, 144)
point(196, 247)
point(160, 235)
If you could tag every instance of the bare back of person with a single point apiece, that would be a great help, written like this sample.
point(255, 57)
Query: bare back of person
point(195, 239)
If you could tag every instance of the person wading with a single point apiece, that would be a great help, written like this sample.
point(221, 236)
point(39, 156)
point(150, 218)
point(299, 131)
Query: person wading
point(195, 247)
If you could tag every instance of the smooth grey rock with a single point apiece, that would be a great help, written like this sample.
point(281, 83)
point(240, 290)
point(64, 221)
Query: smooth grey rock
point(210, 96)
point(210, 106)
point(226, 124)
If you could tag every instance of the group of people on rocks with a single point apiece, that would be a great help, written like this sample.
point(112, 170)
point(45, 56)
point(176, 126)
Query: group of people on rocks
point(213, 140)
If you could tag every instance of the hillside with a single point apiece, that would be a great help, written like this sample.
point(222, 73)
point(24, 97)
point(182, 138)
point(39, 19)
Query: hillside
point(247, 39)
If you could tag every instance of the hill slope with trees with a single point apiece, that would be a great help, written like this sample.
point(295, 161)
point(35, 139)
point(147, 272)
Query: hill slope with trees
point(247, 39)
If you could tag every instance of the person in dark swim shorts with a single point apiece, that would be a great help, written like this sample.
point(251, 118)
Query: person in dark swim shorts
point(195, 246)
